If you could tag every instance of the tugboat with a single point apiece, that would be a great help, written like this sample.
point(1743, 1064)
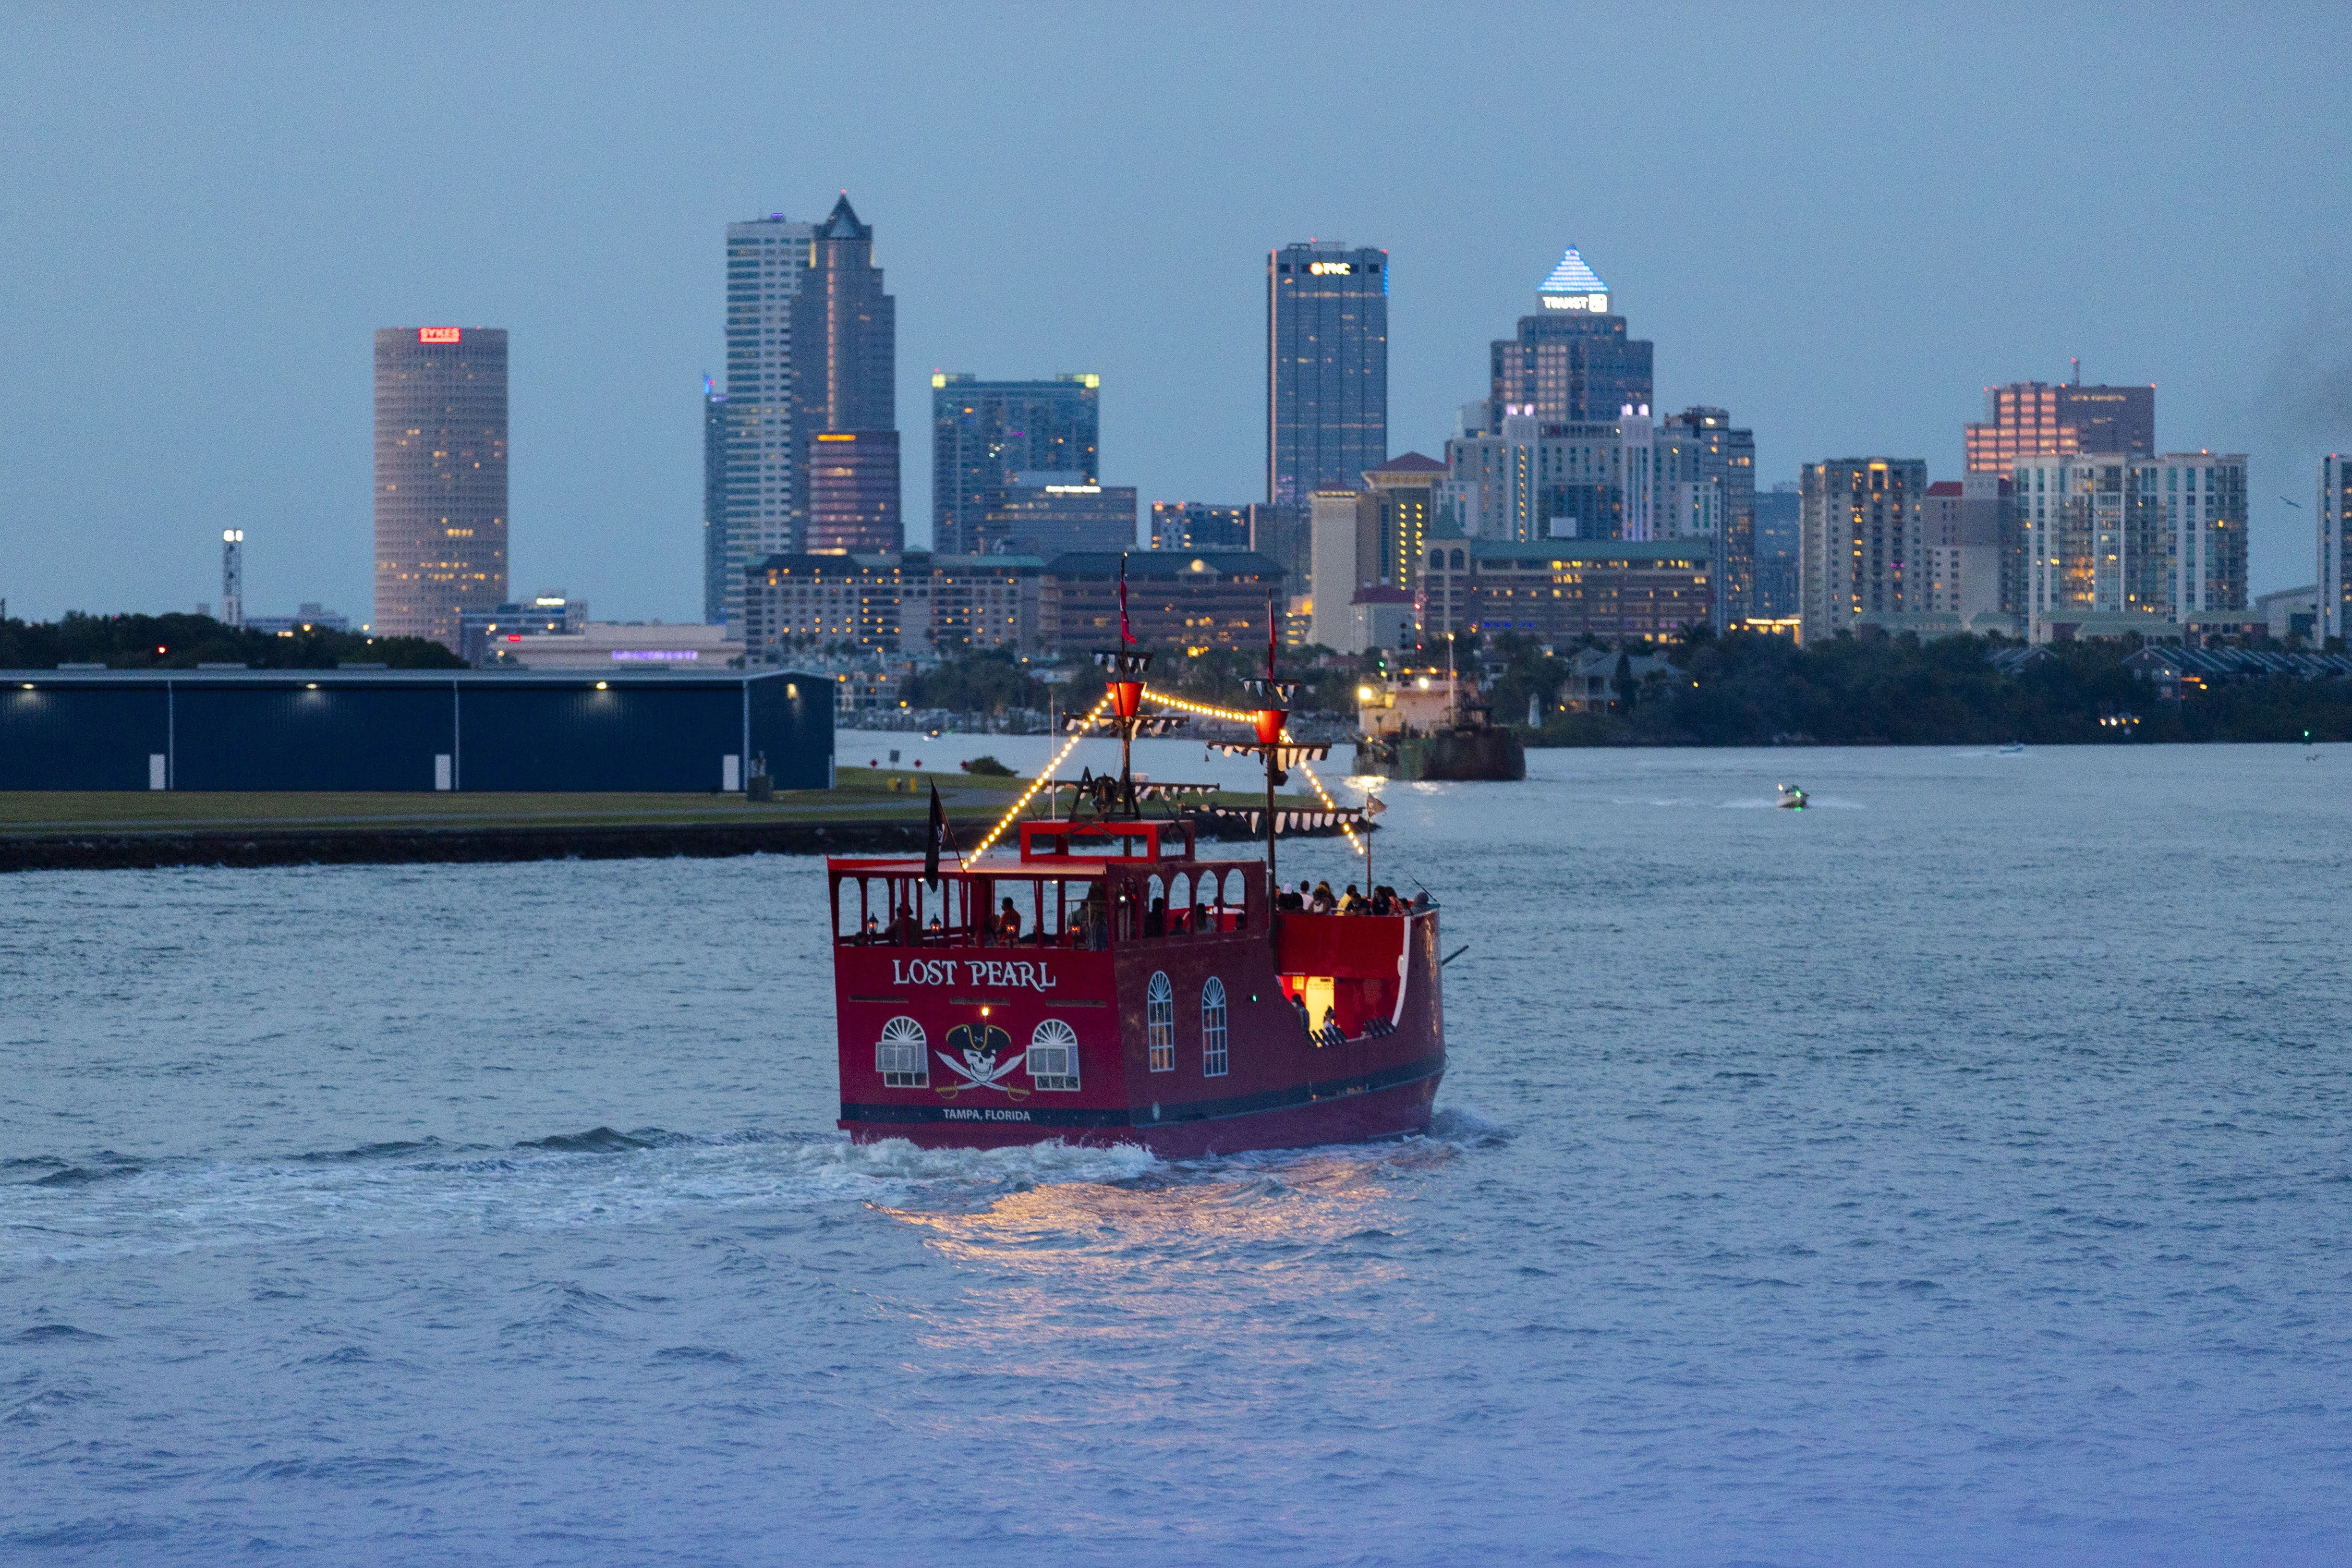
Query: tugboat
point(1108, 984)
point(1433, 724)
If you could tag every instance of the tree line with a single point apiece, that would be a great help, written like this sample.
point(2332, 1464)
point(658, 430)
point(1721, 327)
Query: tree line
point(182, 642)
point(1744, 688)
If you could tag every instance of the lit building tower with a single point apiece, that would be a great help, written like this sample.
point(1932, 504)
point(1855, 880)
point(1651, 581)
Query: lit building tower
point(1327, 365)
point(440, 478)
point(1572, 362)
point(1704, 483)
point(2036, 419)
point(1861, 547)
point(2335, 523)
point(758, 450)
point(232, 577)
point(1405, 506)
point(984, 432)
point(844, 393)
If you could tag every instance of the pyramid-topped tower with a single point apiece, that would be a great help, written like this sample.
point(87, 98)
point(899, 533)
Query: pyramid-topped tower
point(1574, 285)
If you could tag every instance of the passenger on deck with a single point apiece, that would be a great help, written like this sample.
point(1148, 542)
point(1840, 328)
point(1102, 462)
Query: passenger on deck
point(1382, 902)
point(1354, 904)
point(1331, 1025)
point(1286, 899)
point(1008, 925)
point(1155, 919)
point(1305, 1022)
point(1090, 928)
point(1322, 903)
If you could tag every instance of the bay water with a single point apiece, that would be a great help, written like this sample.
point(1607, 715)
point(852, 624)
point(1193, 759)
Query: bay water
point(1957, 1170)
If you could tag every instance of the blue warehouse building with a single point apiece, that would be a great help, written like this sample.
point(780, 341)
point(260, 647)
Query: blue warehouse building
point(411, 730)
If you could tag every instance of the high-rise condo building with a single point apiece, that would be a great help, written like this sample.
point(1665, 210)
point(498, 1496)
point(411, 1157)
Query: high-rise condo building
point(1327, 368)
point(2119, 541)
point(2036, 419)
point(1776, 553)
point(756, 445)
point(984, 432)
point(1862, 551)
point(440, 478)
point(1701, 465)
point(1572, 362)
point(2334, 562)
point(811, 349)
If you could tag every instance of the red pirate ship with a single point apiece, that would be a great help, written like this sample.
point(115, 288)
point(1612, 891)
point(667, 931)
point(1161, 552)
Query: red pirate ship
point(1106, 982)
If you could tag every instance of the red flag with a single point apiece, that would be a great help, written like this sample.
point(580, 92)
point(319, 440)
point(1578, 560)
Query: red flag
point(1126, 637)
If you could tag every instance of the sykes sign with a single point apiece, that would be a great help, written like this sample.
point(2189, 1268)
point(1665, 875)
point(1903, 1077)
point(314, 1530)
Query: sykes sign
point(1012, 974)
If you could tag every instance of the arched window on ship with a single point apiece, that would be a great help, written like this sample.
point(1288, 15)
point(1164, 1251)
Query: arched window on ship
point(901, 1055)
point(1213, 1028)
point(1054, 1055)
point(1159, 1021)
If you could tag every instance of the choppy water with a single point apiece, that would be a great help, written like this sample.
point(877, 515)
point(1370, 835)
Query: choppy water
point(1958, 1172)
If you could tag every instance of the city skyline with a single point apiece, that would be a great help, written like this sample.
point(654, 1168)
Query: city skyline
point(1821, 338)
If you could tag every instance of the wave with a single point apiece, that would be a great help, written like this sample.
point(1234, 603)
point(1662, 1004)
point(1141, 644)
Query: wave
point(595, 1141)
point(82, 1176)
point(53, 1334)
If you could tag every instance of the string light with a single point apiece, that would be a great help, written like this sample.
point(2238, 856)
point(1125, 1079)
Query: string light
point(1040, 781)
point(1201, 708)
point(1326, 794)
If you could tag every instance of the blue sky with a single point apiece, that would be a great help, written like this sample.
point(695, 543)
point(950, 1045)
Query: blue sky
point(1841, 223)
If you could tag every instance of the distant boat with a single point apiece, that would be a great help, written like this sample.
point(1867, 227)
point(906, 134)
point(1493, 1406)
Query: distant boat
point(1791, 798)
point(2014, 749)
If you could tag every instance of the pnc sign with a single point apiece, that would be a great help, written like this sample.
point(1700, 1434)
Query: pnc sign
point(1330, 268)
point(438, 334)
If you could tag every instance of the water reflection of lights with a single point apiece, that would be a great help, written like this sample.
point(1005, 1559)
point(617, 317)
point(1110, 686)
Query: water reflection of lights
point(1204, 1216)
point(1066, 1278)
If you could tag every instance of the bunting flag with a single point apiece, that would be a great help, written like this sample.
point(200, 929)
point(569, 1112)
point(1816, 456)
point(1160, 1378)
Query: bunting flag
point(1126, 637)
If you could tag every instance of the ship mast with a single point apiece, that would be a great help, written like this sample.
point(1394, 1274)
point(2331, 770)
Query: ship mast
point(1274, 698)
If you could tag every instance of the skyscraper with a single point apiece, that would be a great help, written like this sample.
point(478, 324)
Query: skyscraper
point(1326, 364)
point(2335, 526)
point(984, 432)
point(2036, 419)
point(755, 446)
point(440, 478)
point(845, 331)
point(844, 370)
point(811, 350)
point(1572, 362)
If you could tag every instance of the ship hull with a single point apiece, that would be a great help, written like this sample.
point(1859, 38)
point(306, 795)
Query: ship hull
point(1202, 1034)
point(1339, 1112)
